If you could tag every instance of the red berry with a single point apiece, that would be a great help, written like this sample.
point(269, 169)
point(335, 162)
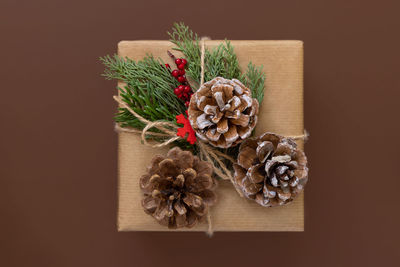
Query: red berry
point(175, 73)
point(185, 95)
point(181, 66)
point(186, 89)
point(176, 91)
point(178, 61)
point(181, 79)
point(167, 66)
point(184, 61)
point(181, 88)
point(181, 72)
point(187, 103)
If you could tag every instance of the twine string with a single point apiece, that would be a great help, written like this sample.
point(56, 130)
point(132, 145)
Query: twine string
point(210, 231)
point(303, 136)
point(163, 126)
point(202, 55)
point(132, 130)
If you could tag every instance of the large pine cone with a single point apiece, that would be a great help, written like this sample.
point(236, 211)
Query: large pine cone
point(222, 112)
point(270, 169)
point(178, 189)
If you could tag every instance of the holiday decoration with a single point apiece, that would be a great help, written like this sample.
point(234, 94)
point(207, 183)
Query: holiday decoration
point(183, 91)
point(271, 170)
point(186, 129)
point(191, 103)
point(222, 112)
point(178, 189)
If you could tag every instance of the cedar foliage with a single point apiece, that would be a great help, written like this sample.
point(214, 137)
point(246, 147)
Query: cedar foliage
point(148, 89)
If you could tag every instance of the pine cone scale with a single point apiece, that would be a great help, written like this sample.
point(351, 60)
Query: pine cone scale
point(213, 134)
point(150, 204)
point(222, 126)
point(247, 157)
point(231, 135)
point(180, 208)
point(208, 196)
point(255, 174)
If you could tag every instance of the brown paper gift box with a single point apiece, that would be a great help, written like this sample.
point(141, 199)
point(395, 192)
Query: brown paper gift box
point(281, 112)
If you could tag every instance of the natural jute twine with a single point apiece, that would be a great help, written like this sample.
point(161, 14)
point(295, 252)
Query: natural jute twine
point(168, 130)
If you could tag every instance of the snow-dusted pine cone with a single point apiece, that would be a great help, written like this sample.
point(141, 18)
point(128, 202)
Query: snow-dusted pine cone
point(223, 112)
point(270, 169)
point(178, 189)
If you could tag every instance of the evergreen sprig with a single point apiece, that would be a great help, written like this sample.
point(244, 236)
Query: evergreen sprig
point(148, 89)
point(255, 79)
point(222, 62)
point(188, 43)
point(219, 61)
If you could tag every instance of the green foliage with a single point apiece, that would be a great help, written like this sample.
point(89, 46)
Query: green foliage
point(188, 43)
point(219, 61)
point(255, 79)
point(148, 89)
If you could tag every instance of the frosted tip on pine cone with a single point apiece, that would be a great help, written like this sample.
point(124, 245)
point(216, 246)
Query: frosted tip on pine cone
point(270, 169)
point(178, 189)
point(223, 112)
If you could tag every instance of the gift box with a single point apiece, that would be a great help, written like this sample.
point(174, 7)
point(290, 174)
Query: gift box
point(281, 112)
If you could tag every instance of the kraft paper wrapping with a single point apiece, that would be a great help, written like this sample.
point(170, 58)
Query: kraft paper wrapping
point(281, 112)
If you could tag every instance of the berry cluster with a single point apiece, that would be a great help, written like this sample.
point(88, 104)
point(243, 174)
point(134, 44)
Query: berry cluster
point(183, 91)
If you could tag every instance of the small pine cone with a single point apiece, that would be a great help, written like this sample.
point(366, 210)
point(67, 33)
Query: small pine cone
point(222, 112)
point(178, 189)
point(270, 169)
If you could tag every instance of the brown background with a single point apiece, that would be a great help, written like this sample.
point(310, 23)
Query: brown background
point(58, 186)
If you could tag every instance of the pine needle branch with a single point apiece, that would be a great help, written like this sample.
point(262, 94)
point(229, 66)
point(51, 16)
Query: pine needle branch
point(148, 89)
point(255, 79)
point(188, 43)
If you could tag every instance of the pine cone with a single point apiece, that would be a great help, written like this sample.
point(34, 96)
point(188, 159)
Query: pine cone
point(270, 169)
point(222, 112)
point(178, 189)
